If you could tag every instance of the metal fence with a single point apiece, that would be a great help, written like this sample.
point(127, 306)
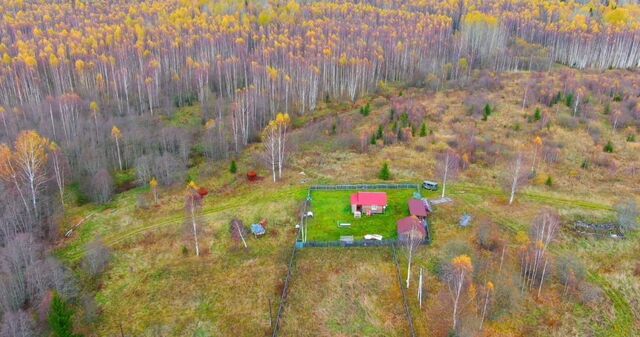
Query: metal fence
point(405, 302)
point(285, 292)
point(364, 187)
point(355, 243)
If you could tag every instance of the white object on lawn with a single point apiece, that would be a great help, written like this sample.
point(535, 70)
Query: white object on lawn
point(357, 214)
point(373, 237)
point(345, 225)
point(309, 214)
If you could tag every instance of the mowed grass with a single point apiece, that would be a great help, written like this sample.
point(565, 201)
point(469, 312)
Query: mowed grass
point(330, 208)
point(344, 292)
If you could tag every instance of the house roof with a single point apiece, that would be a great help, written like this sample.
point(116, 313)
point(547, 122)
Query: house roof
point(406, 225)
point(369, 199)
point(417, 208)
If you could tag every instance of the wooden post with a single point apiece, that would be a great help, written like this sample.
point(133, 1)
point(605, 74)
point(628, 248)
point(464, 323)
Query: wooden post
point(420, 289)
point(121, 330)
point(270, 316)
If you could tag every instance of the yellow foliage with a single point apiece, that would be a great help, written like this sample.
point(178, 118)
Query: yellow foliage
point(617, 17)
point(462, 262)
point(6, 59)
point(94, 107)
point(210, 124)
point(115, 132)
point(80, 66)
point(477, 17)
point(153, 183)
point(192, 185)
point(537, 141)
point(31, 146)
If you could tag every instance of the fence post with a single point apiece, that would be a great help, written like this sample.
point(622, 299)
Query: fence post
point(407, 310)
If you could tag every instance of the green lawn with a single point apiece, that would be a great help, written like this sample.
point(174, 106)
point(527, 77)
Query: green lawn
point(333, 207)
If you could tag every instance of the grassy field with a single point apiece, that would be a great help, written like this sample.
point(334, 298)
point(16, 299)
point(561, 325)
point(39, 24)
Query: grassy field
point(330, 208)
point(153, 289)
point(359, 295)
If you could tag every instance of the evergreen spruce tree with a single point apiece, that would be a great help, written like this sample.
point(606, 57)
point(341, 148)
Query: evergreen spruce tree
point(233, 168)
point(60, 318)
point(385, 173)
point(423, 130)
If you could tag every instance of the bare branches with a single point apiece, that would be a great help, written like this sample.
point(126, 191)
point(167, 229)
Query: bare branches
point(448, 165)
point(517, 175)
point(534, 257)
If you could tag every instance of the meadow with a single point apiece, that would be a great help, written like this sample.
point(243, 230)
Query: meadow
point(344, 292)
point(339, 291)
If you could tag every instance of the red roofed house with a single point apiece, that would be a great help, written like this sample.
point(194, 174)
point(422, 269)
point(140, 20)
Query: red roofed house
point(418, 208)
point(369, 202)
point(411, 224)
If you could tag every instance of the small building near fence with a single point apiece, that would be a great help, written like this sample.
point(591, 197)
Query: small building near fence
point(409, 224)
point(369, 203)
point(418, 208)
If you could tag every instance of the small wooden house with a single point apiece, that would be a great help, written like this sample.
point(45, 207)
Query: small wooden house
point(369, 203)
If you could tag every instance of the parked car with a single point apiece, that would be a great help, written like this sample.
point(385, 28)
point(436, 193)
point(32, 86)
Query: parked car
point(430, 185)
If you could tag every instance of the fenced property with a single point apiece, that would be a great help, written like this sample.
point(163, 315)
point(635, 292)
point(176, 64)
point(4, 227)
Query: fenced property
point(333, 219)
point(364, 187)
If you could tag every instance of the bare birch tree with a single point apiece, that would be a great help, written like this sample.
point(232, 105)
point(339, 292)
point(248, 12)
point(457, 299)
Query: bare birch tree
point(193, 207)
point(517, 175)
point(448, 164)
point(410, 242)
point(458, 281)
point(488, 292)
point(117, 134)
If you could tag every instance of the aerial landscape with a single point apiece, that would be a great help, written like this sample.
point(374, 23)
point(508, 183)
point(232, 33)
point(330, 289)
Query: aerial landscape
point(311, 168)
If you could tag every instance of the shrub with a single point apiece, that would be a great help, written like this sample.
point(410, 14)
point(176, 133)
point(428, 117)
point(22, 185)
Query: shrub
point(584, 164)
point(233, 168)
point(631, 138)
point(365, 110)
point(557, 98)
point(608, 148)
point(516, 127)
point(627, 215)
point(97, 258)
point(589, 294)
point(537, 115)
point(549, 181)
point(434, 266)
point(385, 173)
point(380, 132)
point(567, 122)
point(568, 99)
point(487, 236)
point(423, 130)
point(184, 250)
point(486, 112)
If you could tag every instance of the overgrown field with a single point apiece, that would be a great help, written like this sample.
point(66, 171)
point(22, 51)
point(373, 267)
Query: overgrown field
point(331, 208)
point(155, 286)
point(344, 292)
